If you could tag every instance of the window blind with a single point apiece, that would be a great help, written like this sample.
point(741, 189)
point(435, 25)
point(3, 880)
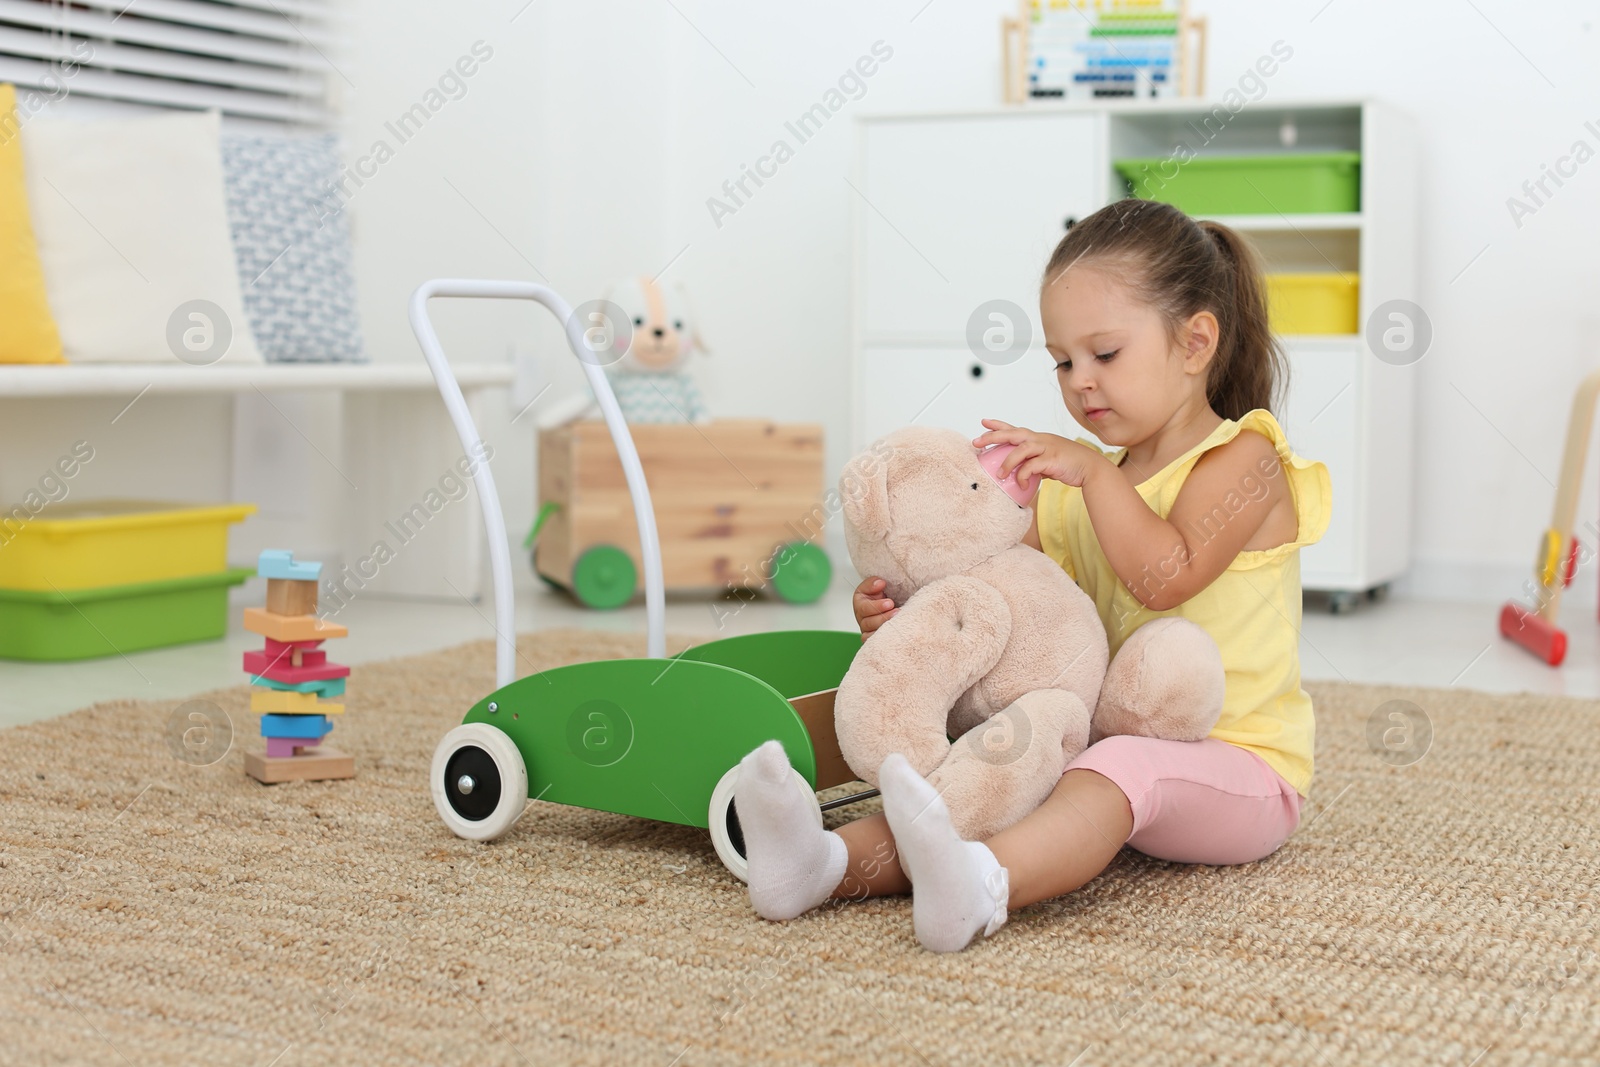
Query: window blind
point(265, 59)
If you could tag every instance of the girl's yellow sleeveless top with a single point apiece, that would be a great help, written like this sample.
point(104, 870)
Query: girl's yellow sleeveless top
point(1252, 609)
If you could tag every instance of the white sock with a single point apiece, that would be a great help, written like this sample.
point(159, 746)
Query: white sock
point(794, 863)
point(958, 887)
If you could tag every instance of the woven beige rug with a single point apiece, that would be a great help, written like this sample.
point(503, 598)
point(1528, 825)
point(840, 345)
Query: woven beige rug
point(1432, 910)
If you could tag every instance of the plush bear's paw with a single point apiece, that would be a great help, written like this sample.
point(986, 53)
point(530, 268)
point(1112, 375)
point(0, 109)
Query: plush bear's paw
point(896, 697)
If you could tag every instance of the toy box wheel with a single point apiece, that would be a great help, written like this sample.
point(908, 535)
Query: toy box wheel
point(479, 781)
point(726, 834)
point(604, 577)
point(801, 572)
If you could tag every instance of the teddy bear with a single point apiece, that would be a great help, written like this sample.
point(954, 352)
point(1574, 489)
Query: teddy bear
point(646, 359)
point(996, 671)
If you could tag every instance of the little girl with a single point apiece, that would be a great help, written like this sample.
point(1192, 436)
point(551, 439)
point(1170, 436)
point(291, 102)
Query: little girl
point(1157, 325)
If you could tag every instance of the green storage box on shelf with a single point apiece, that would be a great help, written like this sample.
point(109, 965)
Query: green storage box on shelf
point(86, 623)
point(1288, 183)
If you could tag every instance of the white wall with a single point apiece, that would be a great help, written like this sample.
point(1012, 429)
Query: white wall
point(592, 140)
point(585, 148)
point(545, 169)
point(599, 130)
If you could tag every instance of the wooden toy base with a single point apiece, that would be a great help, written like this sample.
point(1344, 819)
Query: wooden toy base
point(316, 765)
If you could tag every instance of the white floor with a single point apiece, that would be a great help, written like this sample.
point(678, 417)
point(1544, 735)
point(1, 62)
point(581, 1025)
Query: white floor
point(1393, 640)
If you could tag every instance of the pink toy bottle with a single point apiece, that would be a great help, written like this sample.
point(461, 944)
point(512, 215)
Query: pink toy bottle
point(991, 458)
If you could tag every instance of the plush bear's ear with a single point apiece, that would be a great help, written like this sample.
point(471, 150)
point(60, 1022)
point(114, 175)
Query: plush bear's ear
point(864, 493)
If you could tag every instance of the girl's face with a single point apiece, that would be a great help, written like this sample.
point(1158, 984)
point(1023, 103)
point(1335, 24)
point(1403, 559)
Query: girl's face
point(1121, 376)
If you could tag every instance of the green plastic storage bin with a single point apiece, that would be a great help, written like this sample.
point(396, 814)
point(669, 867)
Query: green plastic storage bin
point(1291, 183)
point(86, 623)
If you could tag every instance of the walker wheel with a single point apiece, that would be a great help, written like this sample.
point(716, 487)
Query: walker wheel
point(479, 781)
point(726, 833)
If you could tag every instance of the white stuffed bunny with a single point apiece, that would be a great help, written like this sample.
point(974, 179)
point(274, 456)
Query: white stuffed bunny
point(649, 379)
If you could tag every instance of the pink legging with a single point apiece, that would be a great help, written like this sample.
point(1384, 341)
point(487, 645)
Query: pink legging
point(1197, 801)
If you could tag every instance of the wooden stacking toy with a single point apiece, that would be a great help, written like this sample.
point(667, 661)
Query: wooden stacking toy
point(296, 688)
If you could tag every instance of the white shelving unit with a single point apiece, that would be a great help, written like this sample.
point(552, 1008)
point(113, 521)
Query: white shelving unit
point(960, 208)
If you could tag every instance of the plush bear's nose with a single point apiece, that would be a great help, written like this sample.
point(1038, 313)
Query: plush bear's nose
point(974, 485)
point(659, 332)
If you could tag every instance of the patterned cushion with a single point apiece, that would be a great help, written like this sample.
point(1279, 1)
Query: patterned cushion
point(291, 237)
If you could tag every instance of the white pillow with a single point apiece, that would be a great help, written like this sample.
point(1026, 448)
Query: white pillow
point(132, 225)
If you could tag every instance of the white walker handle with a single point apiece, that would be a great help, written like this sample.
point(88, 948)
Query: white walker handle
point(493, 520)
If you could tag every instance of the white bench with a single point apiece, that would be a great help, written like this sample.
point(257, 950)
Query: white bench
point(396, 433)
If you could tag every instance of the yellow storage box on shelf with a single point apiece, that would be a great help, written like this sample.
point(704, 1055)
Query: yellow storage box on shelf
point(1323, 303)
point(94, 544)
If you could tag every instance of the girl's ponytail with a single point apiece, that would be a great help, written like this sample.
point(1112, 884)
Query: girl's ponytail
point(1249, 369)
point(1182, 266)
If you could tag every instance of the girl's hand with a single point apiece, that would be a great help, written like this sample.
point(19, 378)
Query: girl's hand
point(1041, 454)
point(872, 611)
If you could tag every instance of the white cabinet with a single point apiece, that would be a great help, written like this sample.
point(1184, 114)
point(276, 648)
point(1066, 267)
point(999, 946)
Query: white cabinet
point(960, 210)
point(1324, 398)
point(946, 386)
point(957, 210)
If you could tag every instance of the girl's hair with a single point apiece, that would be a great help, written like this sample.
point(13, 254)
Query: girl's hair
point(1181, 266)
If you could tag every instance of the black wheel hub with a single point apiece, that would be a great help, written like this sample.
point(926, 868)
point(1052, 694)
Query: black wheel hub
point(479, 795)
point(735, 831)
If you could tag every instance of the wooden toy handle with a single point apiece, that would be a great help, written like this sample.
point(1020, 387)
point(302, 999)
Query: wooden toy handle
point(1567, 491)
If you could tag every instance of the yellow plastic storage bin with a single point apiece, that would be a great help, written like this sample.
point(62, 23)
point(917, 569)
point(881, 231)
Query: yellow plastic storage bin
point(99, 543)
point(1314, 303)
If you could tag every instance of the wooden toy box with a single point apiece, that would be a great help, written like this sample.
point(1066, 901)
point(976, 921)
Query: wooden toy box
point(738, 502)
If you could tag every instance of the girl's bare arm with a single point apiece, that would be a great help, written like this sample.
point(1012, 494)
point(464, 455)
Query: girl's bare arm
point(1222, 504)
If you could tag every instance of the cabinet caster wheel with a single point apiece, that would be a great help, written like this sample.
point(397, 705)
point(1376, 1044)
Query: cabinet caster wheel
point(1342, 602)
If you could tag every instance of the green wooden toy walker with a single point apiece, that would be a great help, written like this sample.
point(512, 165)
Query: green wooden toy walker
point(659, 737)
